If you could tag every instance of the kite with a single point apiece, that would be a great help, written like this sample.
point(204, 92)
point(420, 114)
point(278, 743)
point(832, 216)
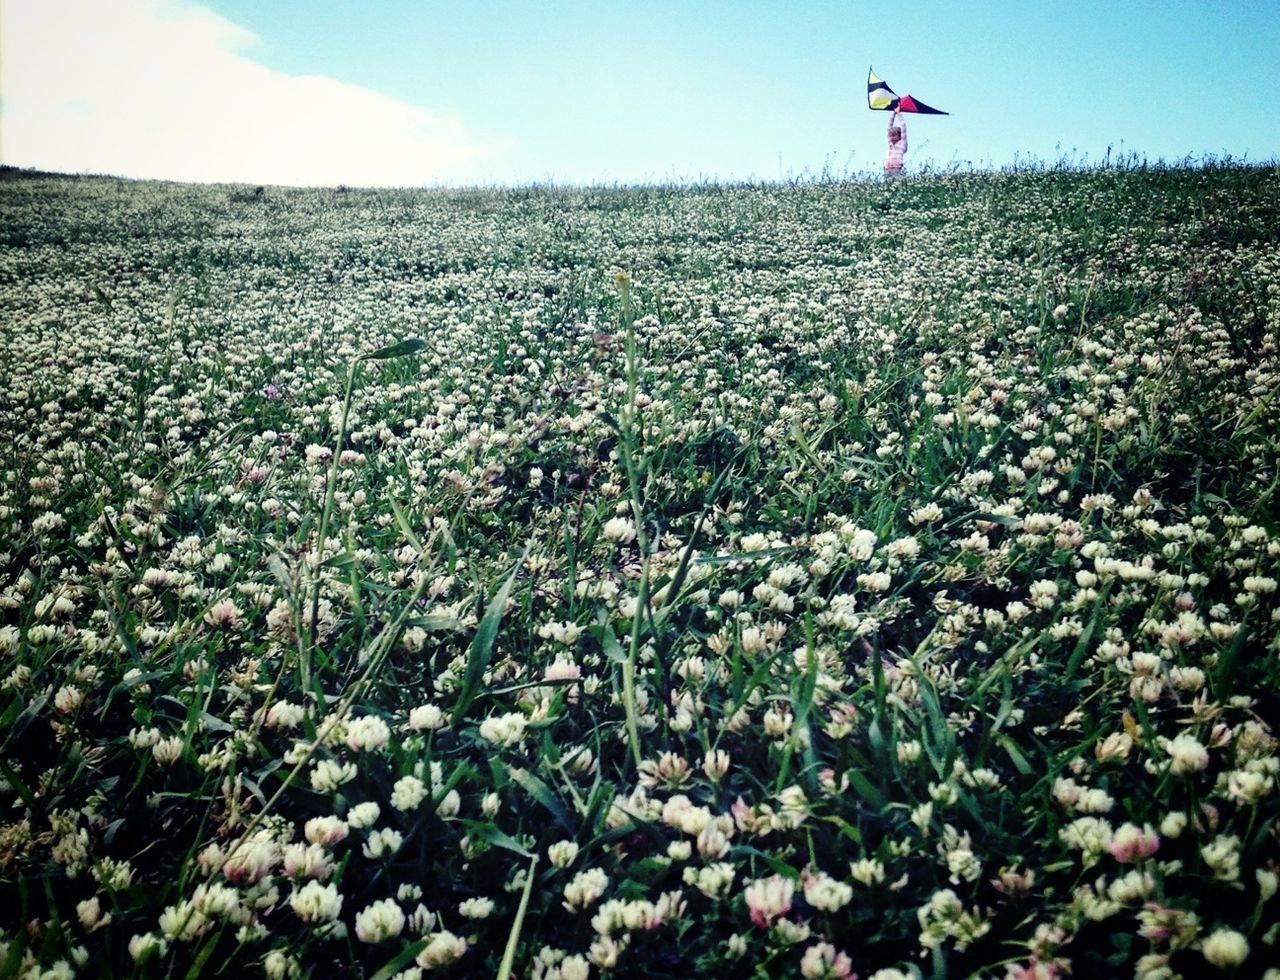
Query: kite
point(880, 96)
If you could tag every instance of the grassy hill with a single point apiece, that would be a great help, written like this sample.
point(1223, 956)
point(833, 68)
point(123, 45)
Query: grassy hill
point(800, 580)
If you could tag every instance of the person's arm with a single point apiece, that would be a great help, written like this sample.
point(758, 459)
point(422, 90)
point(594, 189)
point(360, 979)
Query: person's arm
point(902, 125)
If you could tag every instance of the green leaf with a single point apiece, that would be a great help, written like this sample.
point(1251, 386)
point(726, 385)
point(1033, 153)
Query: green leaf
point(513, 938)
point(846, 829)
point(100, 296)
point(405, 347)
point(743, 556)
point(490, 834)
point(18, 785)
point(403, 520)
point(202, 955)
point(1082, 645)
point(211, 723)
point(541, 792)
point(481, 648)
point(862, 786)
point(434, 622)
point(1226, 666)
point(1015, 755)
point(610, 421)
point(342, 561)
point(682, 571)
point(612, 648)
point(1004, 519)
point(401, 960)
point(776, 865)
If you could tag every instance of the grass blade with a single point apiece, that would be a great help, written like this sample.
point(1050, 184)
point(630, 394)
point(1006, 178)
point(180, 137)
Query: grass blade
point(481, 648)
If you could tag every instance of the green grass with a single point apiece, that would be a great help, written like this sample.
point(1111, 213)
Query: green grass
point(786, 580)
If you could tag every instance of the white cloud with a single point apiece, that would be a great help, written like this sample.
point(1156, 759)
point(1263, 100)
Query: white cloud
point(161, 88)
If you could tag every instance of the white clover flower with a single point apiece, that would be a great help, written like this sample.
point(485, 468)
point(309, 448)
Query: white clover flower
point(794, 807)
point(408, 793)
point(505, 730)
point(249, 860)
point(730, 599)
point(823, 961)
point(423, 920)
point(442, 949)
point(427, 717)
point(1044, 593)
point(586, 887)
point(382, 842)
point(144, 738)
point(1222, 855)
point(1173, 824)
point(68, 699)
point(620, 530)
point(963, 865)
point(1091, 835)
point(1132, 843)
point(183, 922)
point(875, 581)
point(307, 861)
point(754, 640)
point(224, 615)
point(714, 839)
point(1225, 948)
point(1259, 585)
point(562, 668)
point(1188, 755)
point(46, 522)
point(147, 946)
point(363, 815)
point(574, 967)
point(368, 733)
point(408, 892)
point(1268, 881)
point(217, 901)
point(1094, 800)
point(316, 903)
point(90, 914)
point(826, 893)
point(923, 515)
point(777, 721)
point(328, 775)
point(476, 908)
point(279, 965)
point(449, 804)
point(715, 764)
point(867, 871)
point(327, 831)
point(1248, 787)
point(714, 880)
point(167, 751)
point(380, 921)
point(562, 853)
point(284, 714)
point(768, 899)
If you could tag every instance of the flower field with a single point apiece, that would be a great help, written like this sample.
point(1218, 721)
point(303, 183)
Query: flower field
point(818, 580)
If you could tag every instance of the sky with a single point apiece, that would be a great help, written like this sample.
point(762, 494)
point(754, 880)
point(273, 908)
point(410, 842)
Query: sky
point(464, 92)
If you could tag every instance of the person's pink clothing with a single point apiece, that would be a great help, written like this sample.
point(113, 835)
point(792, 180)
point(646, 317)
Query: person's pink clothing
point(898, 147)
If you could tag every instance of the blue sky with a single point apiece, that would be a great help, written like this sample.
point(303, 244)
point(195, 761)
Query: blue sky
point(328, 91)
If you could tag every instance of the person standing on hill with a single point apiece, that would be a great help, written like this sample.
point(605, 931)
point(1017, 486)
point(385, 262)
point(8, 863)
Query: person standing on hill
point(897, 145)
